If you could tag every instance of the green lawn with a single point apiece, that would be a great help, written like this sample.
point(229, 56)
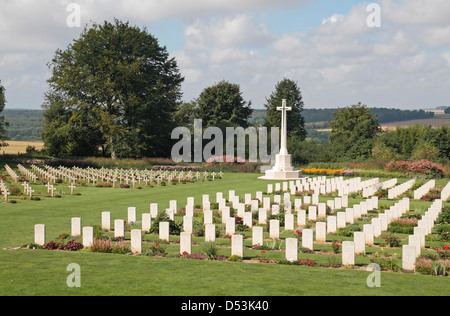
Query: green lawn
point(43, 272)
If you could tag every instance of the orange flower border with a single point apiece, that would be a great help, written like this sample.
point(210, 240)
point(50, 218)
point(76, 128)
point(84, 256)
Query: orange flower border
point(328, 172)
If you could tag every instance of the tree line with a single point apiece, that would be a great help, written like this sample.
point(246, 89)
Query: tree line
point(115, 92)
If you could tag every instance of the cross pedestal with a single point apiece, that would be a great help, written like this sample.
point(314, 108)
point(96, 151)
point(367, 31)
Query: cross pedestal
point(283, 169)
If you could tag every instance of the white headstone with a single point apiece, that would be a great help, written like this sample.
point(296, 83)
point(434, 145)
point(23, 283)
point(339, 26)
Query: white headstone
point(39, 234)
point(154, 210)
point(274, 228)
point(88, 236)
point(131, 215)
point(230, 226)
point(164, 231)
point(312, 213)
point(187, 223)
point(106, 220)
point(76, 226)
point(119, 228)
point(291, 249)
point(289, 221)
point(331, 224)
point(348, 253)
point(301, 218)
point(368, 233)
point(225, 214)
point(308, 239)
point(257, 236)
point(360, 242)
point(262, 216)
point(237, 245)
point(207, 217)
point(185, 242)
point(321, 231)
point(322, 212)
point(146, 222)
point(136, 241)
point(408, 257)
point(210, 233)
point(414, 240)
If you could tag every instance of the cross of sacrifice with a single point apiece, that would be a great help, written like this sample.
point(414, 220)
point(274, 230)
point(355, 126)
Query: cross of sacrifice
point(284, 109)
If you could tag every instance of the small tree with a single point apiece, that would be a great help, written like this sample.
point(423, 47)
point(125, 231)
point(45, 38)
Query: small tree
point(3, 123)
point(222, 105)
point(353, 131)
point(286, 89)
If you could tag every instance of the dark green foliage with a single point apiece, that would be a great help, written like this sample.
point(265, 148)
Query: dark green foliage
point(3, 123)
point(353, 131)
point(174, 228)
point(222, 106)
point(289, 90)
point(24, 124)
point(406, 142)
point(115, 88)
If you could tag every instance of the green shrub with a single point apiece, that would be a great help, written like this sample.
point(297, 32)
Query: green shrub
point(174, 228)
point(121, 248)
point(235, 258)
point(344, 232)
point(443, 231)
point(403, 225)
point(211, 250)
point(444, 217)
point(392, 240)
point(388, 264)
point(336, 246)
point(158, 250)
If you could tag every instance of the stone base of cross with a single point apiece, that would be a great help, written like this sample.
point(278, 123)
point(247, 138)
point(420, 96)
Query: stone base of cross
point(283, 169)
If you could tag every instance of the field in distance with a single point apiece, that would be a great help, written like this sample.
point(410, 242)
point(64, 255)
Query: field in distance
point(14, 147)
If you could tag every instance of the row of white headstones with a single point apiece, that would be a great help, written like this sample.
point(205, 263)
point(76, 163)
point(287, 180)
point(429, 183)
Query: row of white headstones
point(410, 251)
point(120, 175)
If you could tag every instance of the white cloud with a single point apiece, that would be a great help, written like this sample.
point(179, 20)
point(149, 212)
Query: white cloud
point(339, 62)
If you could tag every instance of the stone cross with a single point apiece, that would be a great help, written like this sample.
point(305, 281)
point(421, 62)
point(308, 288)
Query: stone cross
point(5, 194)
point(48, 187)
point(72, 186)
point(284, 109)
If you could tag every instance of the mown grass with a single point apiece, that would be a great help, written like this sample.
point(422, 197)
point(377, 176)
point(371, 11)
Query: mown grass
point(43, 273)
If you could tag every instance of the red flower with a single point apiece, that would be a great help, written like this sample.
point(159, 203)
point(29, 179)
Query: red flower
point(262, 251)
point(156, 244)
point(446, 247)
point(256, 256)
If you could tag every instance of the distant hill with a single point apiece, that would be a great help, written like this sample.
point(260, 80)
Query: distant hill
point(23, 124)
point(319, 118)
point(27, 124)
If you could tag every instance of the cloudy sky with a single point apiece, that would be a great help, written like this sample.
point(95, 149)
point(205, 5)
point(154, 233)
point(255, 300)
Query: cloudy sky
point(329, 47)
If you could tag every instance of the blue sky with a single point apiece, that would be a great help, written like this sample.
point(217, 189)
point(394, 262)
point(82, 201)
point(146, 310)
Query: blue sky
point(325, 46)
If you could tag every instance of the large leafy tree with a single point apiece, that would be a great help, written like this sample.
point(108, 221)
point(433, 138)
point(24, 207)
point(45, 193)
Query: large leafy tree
point(222, 105)
point(3, 123)
point(286, 89)
point(116, 88)
point(353, 131)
